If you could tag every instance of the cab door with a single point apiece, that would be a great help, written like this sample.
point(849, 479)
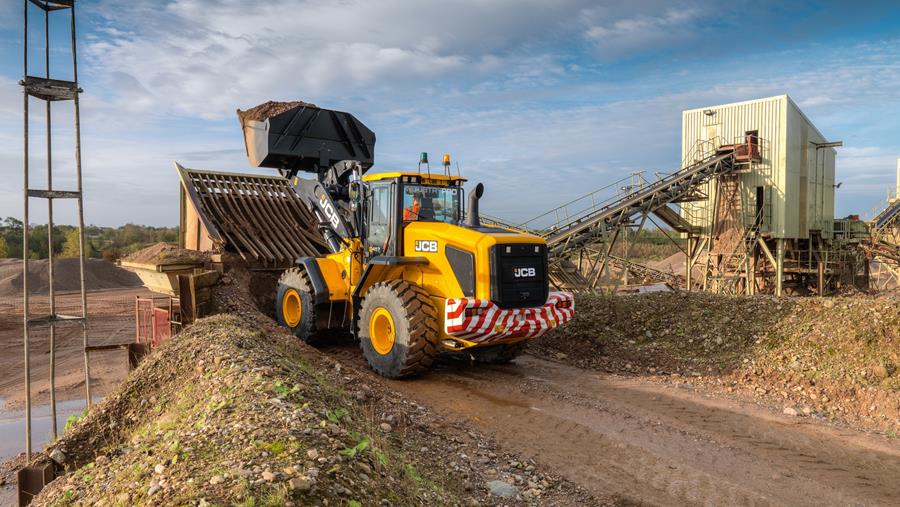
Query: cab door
point(381, 221)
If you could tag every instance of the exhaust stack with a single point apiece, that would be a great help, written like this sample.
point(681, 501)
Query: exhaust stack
point(473, 220)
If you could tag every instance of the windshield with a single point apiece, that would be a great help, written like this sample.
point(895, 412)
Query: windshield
point(438, 204)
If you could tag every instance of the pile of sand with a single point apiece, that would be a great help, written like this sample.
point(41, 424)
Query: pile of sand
point(98, 274)
point(164, 253)
point(269, 109)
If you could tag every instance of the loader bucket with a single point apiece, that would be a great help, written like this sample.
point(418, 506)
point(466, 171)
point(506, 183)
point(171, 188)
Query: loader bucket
point(298, 136)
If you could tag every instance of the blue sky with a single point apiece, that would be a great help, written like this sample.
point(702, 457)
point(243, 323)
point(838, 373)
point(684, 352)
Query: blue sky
point(542, 101)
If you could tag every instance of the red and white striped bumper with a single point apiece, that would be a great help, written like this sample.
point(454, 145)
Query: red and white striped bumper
point(481, 321)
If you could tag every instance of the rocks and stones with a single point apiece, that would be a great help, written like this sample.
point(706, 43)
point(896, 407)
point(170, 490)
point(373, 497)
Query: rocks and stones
point(58, 457)
point(502, 489)
point(301, 483)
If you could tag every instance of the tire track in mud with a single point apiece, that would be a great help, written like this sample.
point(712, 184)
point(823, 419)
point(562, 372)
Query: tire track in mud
point(655, 444)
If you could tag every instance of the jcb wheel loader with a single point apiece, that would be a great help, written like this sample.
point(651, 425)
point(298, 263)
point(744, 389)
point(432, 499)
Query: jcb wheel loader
point(411, 273)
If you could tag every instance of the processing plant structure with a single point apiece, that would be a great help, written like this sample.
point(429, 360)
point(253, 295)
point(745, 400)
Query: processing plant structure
point(753, 198)
point(768, 225)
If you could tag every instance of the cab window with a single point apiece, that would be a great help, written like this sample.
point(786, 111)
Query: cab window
point(435, 204)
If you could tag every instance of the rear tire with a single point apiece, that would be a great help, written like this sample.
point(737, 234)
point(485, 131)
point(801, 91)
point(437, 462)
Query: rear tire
point(294, 305)
point(398, 329)
point(498, 354)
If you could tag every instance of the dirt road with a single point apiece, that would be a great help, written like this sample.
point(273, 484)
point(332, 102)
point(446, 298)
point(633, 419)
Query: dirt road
point(648, 443)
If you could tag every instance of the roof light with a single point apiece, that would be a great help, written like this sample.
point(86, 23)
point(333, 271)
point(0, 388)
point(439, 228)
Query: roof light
point(423, 157)
point(446, 159)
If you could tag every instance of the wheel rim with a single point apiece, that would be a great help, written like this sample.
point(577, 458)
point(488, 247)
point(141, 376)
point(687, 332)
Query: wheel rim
point(381, 331)
point(292, 308)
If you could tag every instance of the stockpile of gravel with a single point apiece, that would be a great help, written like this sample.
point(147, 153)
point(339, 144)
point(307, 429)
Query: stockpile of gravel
point(99, 274)
point(165, 253)
point(837, 358)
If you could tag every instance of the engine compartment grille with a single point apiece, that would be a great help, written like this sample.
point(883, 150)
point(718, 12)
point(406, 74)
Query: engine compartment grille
point(519, 275)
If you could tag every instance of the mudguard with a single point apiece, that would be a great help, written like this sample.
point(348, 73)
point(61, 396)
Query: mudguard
point(319, 286)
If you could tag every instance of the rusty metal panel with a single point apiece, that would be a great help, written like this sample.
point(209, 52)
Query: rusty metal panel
point(162, 328)
point(31, 480)
point(259, 217)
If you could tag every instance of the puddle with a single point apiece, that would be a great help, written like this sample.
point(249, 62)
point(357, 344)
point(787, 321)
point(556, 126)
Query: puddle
point(12, 426)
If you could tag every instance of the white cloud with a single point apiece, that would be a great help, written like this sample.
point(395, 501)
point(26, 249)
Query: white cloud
point(630, 28)
point(206, 58)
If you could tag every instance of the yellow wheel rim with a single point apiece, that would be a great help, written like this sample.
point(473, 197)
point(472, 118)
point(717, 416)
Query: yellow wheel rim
point(292, 308)
point(381, 331)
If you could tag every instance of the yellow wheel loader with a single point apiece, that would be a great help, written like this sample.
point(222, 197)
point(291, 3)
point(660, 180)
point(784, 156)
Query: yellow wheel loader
point(412, 271)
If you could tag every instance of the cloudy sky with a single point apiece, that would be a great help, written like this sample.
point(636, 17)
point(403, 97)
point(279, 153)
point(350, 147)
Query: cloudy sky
point(543, 101)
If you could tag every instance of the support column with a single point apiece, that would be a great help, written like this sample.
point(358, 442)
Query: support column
point(754, 266)
point(821, 284)
point(779, 266)
point(688, 265)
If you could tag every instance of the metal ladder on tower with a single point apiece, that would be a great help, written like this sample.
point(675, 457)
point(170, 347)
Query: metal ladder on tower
point(49, 90)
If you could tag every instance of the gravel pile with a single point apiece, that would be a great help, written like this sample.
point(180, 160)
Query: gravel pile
point(165, 253)
point(834, 358)
point(99, 274)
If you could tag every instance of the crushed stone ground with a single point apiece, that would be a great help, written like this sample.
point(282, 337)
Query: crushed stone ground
point(831, 358)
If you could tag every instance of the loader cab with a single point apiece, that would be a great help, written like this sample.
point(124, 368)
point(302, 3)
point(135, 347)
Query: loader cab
point(394, 200)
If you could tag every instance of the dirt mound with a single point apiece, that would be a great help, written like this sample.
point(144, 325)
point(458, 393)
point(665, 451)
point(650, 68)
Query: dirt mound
point(165, 253)
point(98, 274)
point(836, 358)
point(230, 414)
point(269, 109)
point(671, 264)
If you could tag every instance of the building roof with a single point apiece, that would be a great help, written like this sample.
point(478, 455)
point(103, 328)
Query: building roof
point(438, 177)
point(784, 97)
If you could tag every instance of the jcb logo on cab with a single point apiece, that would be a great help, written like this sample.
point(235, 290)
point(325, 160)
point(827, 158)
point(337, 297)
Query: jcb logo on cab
point(424, 245)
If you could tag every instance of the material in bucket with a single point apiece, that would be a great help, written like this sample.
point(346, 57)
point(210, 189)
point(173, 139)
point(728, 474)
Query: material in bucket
point(298, 136)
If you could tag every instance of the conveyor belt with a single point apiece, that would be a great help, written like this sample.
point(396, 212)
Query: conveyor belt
point(888, 217)
point(649, 199)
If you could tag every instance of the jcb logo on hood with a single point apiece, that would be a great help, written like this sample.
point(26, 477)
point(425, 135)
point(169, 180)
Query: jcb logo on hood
point(524, 272)
point(425, 245)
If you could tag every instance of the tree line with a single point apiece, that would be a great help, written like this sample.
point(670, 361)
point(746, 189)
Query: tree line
point(110, 243)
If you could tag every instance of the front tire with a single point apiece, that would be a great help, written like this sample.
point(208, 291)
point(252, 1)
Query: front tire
point(294, 305)
point(398, 329)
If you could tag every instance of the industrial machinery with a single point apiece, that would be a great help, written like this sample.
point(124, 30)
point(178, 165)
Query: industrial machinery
point(411, 272)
